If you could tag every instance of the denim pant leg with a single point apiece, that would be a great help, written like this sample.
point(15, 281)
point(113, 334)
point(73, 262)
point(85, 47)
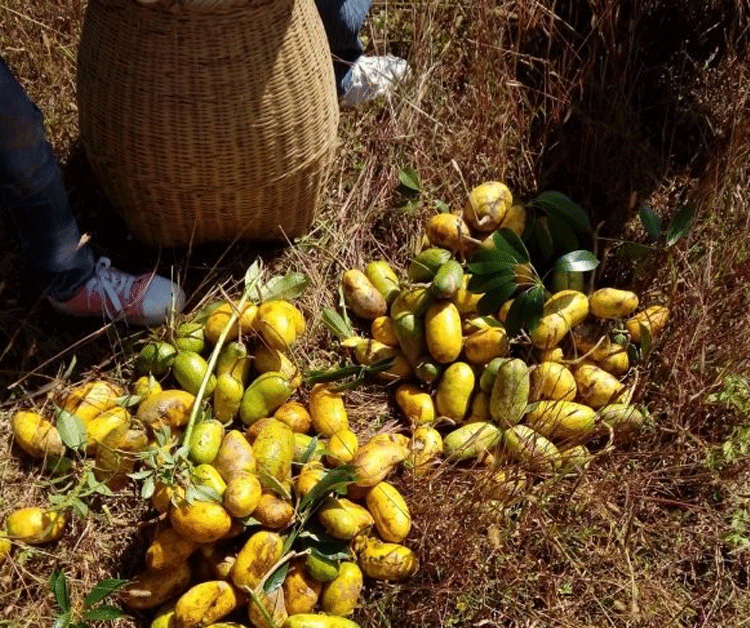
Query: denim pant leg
point(343, 20)
point(31, 190)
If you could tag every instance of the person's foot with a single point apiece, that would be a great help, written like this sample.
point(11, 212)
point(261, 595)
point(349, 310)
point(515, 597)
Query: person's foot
point(373, 77)
point(110, 293)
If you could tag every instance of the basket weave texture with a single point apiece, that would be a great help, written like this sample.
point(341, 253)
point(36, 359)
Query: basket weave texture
point(208, 122)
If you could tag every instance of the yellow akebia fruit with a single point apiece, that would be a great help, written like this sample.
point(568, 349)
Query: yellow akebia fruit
point(551, 380)
point(168, 550)
point(443, 332)
point(342, 446)
point(416, 404)
point(653, 318)
point(152, 588)
point(295, 415)
point(390, 512)
point(301, 590)
point(327, 410)
point(167, 408)
point(613, 303)
point(488, 205)
point(385, 561)
point(205, 603)
point(35, 435)
point(486, 344)
point(426, 447)
point(449, 232)
point(454, 391)
point(220, 317)
point(382, 330)
point(564, 421)
point(204, 522)
point(361, 296)
point(341, 594)
point(278, 324)
point(35, 526)
point(91, 399)
point(242, 495)
point(597, 387)
point(260, 552)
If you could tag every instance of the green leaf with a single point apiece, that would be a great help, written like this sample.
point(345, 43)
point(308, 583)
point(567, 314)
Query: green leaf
point(59, 586)
point(680, 224)
point(518, 248)
point(479, 284)
point(63, 621)
point(105, 612)
point(526, 310)
point(558, 204)
point(409, 178)
point(290, 286)
point(491, 301)
point(72, 430)
point(577, 261)
point(481, 269)
point(544, 240)
point(276, 579)
point(252, 274)
point(650, 221)
point(103, 589)
point(563, 236)
point(310, 449)
point(325, 547)
point(336, 325)
point(340, 475)
point(442, 207)
point(140, 475)
point(647, 341)
point(148, 487)
point(80, 508)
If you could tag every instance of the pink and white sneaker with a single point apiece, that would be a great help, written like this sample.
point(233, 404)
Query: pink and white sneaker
point(112, 294)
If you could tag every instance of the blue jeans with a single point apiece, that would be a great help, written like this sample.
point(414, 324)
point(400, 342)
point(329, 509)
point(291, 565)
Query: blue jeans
point(32, 192)
point(31, 189)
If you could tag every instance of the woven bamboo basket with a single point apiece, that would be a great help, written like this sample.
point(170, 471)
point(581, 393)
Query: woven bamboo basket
point(208, 120)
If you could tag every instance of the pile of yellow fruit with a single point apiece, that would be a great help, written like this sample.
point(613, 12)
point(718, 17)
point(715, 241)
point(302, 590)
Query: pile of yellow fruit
point(237, 495)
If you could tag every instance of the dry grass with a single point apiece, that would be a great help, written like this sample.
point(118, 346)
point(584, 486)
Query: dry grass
point(613, 103)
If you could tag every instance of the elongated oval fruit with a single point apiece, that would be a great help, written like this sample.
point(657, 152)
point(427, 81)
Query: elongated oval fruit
point(242, 495)
point(277, 323)
point(260, 552)
point(443, 332)
point(383, 330)
point(235, 456)
point(91, 399)
point(653, 318)
point(471, 440)
point(614, 360)
point(572, 304)
point(301, 590)
point(275, 606)
point(549, 331)
point(515, 220)
point(361, 296)
point(342, 447)
point(205, 475)
point(312, 620)
point(390, 512)
point(454, 391)
point(269, 359)
point(303, 446)
point(613, 303)
point(204, 522)
point(488, 205)
point(273, 450)
point(168, 550)
point(386, 282)
point(597, 387)
point(550, 380)
point(564, 421)
point(426, 447)
point(205, 603)
point(480, 407)
point(427, 370)
point(574, 458)
point(484, 345)
point(415, 300)
point(571, 280)
point(189, 337)
point(410, 333)
point(448, 279)
point(152, 588)
point(622, 418)
point(489, 373)
point(416, 404)
point(146, 385)
point(426, 264)
point(368, 352)
point(449, 232)
point(233, 359)
point(36, 436)
point(295, 415)
point(510, 392)
point(377, 458)
point(311, 473)
point(466, 301)
point(343, 519)
point(273, 512)
point(156, 357)
point(219, 319)
point(385, 561)
point(189, 369)
point(531, 449)
point(35, 526)
point(327, 410)
point(263, 396)
point(101, 425)
point(341, 594)
point(205, 441)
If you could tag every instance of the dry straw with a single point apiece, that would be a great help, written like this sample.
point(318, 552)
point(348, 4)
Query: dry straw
point(207, 121)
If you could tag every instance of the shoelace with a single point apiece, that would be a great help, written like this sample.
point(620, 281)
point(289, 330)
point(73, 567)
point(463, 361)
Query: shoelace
point(109, 285)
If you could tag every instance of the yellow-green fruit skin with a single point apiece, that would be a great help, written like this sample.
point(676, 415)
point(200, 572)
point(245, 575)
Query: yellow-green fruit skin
point(97, 428)
point(510, 392)
point(563, 311)
point(260, 552)
point(383, 330)
point(443, 332)
point(342, 447)
point(190, 337)
point(622, 418)
point(377, 458)
point(381, 276)
point(327, 410)
point(597, 387)
point(340, 596)
point(301, 590)
point(425, 265)
point(145, 386)
point(227, 397)
point(550, 380)
point(242, 495)
point(426, 447)
point(531, 449)
point(311, 473)
point(653, 318)
point(273, 512)
point(454, 391)
point(169, 549)
point(488, 205)
point(235, 456)
point(156, 357)
point(449, 232)
point(273, 450)
point(311, 620)
point(390, 512)
point(386, 561)
point(361, 296)
point(234, 360)
point(204, 522)
point(410, 332)
point(35, 526)
point(263, 396)
point(321, 568)
point(189, 369)
point(416, 404)
point(484, 345)
point(515, 220)
point(613, 303)
point(164, 618)
point(152, 588)
point(205, 441)
point(471, 440)
point(564, 421)
point(302, 443)
point(447, 281)
point(295, 415)
point(480, 407)
point(343, 519)
point(277, 323)
point(168, 408)
point(36, 436)
point(205, 603)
